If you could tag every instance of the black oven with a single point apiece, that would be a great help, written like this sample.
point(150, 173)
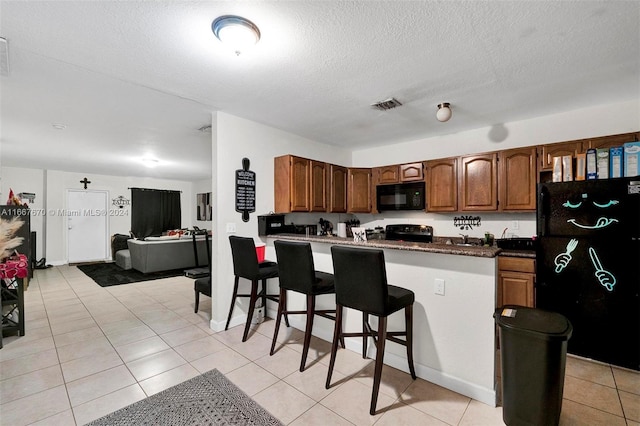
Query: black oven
point(403, 196)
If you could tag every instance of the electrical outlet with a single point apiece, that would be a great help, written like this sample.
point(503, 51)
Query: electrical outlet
point(231, 228)
point(438, 287)
point(515, 225)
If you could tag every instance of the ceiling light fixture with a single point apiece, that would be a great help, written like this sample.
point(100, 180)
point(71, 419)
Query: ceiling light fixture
point(150, 162)
point(444, 112)
point(235, 31)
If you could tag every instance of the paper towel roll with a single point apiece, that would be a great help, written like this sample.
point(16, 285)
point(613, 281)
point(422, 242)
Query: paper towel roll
point(342, 230)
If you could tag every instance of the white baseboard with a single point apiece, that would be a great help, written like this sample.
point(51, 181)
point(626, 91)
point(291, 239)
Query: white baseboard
point(354, 344)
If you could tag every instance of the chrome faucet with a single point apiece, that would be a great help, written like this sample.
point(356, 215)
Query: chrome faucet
point(465, 239)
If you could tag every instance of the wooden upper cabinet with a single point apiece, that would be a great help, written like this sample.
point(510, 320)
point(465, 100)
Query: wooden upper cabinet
point(337, 189)
point(387, 174)
point(318, 186)
point(477, 182)
point(517, 179)
point(359, 190)
point(299, 185)
point(411, 172)
point(609, 141)
point(442, 185)
point(547, 152)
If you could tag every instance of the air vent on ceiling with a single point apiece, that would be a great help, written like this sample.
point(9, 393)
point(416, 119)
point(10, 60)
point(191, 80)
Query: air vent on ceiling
point(386, 104)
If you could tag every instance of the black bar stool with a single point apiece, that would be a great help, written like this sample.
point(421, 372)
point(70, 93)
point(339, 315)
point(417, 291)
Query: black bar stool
point(245, 265)
point(361, 284)
point(202, 284)
point(297, 273)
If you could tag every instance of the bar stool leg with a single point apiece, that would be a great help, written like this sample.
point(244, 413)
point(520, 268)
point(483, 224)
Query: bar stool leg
point(408, 317)
point(311, 308)
point(365, 333)
point(264, 296)
point(377, 375)
point(337, 334)
point(282, 306)
point(252, 306)
point(195, 309)
point(233, 301)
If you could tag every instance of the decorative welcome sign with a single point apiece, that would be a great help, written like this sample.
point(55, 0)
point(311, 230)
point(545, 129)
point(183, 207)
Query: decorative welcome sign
point(466, 222)
point(245, 190)
point(120, 202)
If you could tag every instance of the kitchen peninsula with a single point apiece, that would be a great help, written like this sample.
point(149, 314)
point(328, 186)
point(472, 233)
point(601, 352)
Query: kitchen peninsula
point(454, 332)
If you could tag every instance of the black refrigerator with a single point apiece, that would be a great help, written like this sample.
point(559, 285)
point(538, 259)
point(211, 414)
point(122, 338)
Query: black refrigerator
point(588, 265)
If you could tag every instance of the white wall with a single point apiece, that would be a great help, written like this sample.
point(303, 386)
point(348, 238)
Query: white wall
point(234, 139)
point(601, 120)
point(50, 187)
point(58, 182)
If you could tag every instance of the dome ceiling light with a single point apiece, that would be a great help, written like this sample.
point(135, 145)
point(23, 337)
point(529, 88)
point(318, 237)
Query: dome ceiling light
point(444, 112)
point(236, 32)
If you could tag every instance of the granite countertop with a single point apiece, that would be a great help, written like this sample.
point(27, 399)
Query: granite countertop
point(435, 247)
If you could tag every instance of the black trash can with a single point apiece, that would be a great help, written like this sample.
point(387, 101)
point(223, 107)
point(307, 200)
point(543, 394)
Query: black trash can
point(533, 353)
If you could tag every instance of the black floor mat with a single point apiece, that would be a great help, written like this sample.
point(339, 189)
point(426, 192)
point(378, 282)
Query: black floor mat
point(108, 274)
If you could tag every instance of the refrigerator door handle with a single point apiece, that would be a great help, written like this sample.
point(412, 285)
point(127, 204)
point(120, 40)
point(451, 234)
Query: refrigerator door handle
point(542, 212)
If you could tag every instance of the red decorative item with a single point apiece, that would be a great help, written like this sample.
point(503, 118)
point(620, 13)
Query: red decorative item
point(14, 267)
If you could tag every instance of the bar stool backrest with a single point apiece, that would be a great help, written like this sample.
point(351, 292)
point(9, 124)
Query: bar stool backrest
point(295, 266)
point(245, 258)
point(360, 279)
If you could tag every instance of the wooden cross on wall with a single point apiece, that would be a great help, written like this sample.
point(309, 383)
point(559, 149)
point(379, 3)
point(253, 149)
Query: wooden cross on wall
point(86, 182)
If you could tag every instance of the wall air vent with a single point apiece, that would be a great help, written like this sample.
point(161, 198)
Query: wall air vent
point(386, 104)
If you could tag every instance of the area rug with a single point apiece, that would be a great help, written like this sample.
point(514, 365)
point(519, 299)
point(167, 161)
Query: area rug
point(209, 399)
point(108, 274)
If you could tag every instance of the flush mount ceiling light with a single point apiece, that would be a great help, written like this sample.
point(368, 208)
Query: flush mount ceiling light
point(236, 32)
point(444, 112)
point(150, 162)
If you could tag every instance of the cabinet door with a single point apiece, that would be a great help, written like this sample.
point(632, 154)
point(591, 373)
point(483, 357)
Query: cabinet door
point(547, 152)
point(411, 172)
point(318, 193)
point(300, 177)
point(359, 191)
point(515, 288)
point(387, 174)
point(442, 185)
point(610, 141)
point(517, 179)
point(477, 182)
point(337, 189)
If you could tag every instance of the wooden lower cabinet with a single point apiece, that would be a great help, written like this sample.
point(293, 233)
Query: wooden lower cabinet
point(516, 280)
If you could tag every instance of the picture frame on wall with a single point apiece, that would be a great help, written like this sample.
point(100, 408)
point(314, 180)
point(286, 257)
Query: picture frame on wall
point(203, 206)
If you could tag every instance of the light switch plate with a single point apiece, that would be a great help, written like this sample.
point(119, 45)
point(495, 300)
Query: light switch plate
point(438, 287)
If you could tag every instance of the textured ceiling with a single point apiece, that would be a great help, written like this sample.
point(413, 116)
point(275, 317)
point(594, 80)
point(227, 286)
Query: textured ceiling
point(137, 78)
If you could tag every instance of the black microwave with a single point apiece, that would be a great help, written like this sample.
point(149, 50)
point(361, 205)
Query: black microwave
point(403, 196)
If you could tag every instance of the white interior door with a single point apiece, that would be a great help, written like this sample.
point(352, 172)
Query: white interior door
point(87, 225)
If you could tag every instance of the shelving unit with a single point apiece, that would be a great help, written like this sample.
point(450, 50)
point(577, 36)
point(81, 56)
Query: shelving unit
point(12, 294)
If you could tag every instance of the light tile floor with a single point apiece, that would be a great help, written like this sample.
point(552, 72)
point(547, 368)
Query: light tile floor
point(89, 351)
